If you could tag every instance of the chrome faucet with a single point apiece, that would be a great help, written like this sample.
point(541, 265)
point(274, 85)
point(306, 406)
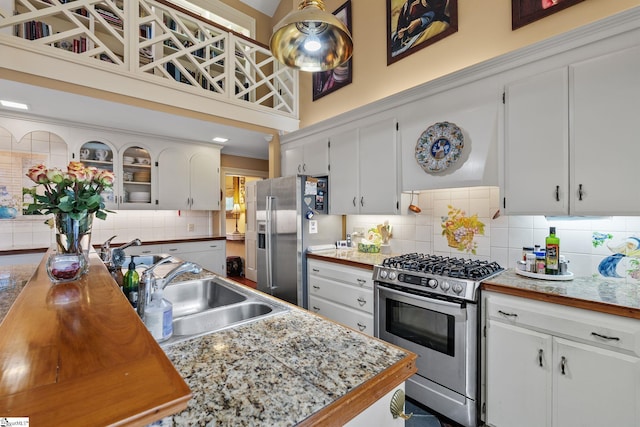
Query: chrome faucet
point(149, 282)
point(105, 250)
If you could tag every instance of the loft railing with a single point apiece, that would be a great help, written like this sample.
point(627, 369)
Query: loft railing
point(157, 41)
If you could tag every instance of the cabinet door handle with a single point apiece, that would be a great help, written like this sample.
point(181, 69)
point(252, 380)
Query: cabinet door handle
point(213, 246)
point(563, 364)
point(605, 337)
point(557, 193)
point(315, 270)
point(146, 252)
point(316, 287)
point(540, 354)
point(580, 192)
point(362, 201)
point(316, 309)
point(505, 314)
point(362, 301)
point(173, 249)
point(361, 326)
point(299, 171)
point(361, 282)
point(354, 201)
point(304, 167)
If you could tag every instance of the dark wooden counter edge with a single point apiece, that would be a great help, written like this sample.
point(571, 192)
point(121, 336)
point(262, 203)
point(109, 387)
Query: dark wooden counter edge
point(115, 245)
point(90, 382)
point(563, 300)
point(357, 400)
point(341, 261)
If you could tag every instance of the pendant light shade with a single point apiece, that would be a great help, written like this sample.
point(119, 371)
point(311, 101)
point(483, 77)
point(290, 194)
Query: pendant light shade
point(311, 39)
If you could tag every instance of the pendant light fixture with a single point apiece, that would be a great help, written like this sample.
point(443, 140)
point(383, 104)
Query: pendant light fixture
point(311, 39)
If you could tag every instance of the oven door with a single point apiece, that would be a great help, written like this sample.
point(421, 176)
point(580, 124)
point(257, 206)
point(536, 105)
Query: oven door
point(440, 332)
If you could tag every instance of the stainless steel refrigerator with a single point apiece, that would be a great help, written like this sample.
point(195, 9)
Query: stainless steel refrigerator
point(291, 215)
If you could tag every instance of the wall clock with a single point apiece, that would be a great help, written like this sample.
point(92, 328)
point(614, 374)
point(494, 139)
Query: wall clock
point(439, 147)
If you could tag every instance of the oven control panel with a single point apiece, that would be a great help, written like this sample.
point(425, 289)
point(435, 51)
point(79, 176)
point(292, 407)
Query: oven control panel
point(438, 284)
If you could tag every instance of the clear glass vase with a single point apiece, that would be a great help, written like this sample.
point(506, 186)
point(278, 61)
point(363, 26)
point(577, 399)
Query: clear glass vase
point(63, 268)
point(73, 235)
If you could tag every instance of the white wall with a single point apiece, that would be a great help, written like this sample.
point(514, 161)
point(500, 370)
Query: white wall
point(505, 236)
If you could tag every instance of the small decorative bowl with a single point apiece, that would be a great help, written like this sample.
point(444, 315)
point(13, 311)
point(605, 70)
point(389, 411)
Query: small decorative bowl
point(369, 248)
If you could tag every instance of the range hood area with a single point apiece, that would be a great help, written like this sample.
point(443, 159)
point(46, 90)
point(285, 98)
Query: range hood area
point(474, 109)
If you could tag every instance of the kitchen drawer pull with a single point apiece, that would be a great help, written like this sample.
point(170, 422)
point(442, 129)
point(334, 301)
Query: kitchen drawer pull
point(361, 326)
point(316, 287)
point(362, 301)
point(146, 252)
point(173, 249)
point(361, 281)
point(605, 337)
point(505, 314)
point(540, 354)
point(315, 270)
point(563, 364)
point(557, 193)
point(316, 309)
point(213, 246)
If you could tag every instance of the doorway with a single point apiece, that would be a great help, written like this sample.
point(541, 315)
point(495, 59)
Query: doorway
point(235, 221)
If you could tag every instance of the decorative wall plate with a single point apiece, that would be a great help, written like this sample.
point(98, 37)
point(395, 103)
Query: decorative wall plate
point(439, 147)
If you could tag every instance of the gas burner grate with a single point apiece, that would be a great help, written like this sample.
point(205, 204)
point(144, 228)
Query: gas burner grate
point(444, 266)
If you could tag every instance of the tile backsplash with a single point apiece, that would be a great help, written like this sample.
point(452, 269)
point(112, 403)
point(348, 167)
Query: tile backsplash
point(605, 246)
point(146, 225)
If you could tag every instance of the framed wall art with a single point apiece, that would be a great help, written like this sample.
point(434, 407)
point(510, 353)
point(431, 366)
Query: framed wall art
point(416, 24)
point(524, 12)
point(325, 82)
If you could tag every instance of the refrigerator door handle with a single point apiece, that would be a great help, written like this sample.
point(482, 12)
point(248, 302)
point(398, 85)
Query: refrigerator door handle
point(271, 222)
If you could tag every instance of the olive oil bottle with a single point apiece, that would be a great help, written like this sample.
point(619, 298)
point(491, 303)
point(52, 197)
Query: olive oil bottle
point(552, 253)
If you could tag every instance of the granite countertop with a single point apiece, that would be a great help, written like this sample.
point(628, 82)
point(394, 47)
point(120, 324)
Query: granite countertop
point(13, 278)
point(351, 257)
point(277, 371)
point(593, 293)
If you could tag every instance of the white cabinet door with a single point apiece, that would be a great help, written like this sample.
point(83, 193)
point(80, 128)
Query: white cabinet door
point(536, 176)
point(293, 159)
point(311, 158)
point(173, 180)
point(316, 158)
point(605, 102)
point(343, 179)
point(378, 166)
point(378, 414)
point(518, 376)
point(204, 179)
point(211, 255)
point(594, 386)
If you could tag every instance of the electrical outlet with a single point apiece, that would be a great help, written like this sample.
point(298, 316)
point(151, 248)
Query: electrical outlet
point(191, 228)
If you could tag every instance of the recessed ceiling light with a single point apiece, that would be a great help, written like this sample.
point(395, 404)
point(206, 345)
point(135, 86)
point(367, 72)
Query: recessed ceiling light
point(12, 104)
point(220, 139)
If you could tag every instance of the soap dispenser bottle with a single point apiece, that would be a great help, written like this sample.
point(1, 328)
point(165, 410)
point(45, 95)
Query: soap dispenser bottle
point(130, 283)
point(158, 315)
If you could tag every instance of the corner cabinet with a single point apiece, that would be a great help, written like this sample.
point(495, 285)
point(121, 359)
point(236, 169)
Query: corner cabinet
point(189, 182)
point(568, 136)
point(557, 366)
point(311, 158)
point(341, 293)
point(363, 175)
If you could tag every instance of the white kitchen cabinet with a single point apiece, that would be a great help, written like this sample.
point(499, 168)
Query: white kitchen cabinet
point(189, 182)
point(549, 365)
point(378, 414)
point(310, 158)
point(363, 175)
point(568, 136)
point(211, 254)
point(341, 293)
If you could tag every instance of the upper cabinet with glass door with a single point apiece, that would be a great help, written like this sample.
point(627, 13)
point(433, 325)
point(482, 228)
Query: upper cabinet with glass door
point(136, 178)
point(102, 156)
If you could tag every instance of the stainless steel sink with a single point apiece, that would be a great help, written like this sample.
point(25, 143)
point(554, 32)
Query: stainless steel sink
point(214, 320)
point(196, 296)
point(209, 305)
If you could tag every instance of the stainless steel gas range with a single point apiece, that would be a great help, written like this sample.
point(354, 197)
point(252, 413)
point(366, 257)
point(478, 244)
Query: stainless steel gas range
point(429, 304)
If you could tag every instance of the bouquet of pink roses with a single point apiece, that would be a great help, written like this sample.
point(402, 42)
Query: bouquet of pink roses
point(75, 192)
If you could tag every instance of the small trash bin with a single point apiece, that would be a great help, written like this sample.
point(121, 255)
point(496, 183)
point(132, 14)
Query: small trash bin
point(234, 266)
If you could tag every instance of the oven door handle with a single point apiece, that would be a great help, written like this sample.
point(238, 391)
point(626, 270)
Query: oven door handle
point(456, 309)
